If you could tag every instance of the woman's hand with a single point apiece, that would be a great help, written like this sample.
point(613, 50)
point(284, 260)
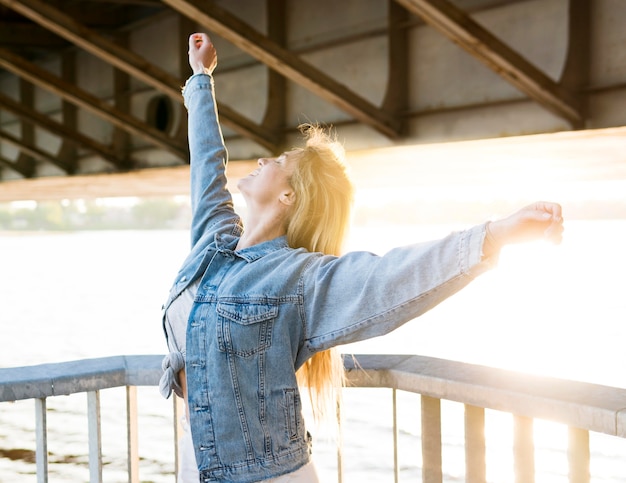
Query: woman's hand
point(541, 220)
point(202, 54)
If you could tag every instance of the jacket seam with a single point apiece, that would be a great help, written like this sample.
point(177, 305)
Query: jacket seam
point(333, 336)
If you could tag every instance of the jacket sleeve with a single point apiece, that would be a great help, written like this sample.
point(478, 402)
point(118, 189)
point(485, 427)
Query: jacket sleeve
point(361, 295)
point(211, 202)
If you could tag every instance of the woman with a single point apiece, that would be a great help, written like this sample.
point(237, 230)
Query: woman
point(249, 309)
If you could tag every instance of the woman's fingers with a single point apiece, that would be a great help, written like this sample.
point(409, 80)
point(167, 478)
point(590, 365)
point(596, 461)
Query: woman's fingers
point(196, 40)
point(541, 220)
point(202, 54)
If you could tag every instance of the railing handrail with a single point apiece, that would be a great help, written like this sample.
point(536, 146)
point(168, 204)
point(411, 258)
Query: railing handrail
point(582, 405)
point(64, 378)
point(592, 407)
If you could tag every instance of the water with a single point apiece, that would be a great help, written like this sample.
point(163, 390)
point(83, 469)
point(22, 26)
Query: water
point(555, 311)
point(75, 296)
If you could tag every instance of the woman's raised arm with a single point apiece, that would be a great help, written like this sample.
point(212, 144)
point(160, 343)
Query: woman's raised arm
point(211, 202)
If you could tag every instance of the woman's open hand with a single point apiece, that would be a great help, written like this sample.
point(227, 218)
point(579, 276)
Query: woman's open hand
point(202, 54)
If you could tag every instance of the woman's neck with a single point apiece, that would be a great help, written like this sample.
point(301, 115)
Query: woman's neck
point(259, 229)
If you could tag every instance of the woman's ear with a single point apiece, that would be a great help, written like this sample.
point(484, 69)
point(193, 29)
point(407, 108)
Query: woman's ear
point(287, 197)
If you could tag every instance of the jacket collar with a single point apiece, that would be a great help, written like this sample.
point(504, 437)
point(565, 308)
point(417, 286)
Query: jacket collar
point(228, 243)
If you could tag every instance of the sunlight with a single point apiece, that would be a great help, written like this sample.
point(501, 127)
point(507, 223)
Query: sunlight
point(548, 310)
point(499, 441)
point(119, 201)
point(537, 300)
point(550, 449)
point(23, 205)
point(551, 442)
point(565, 167)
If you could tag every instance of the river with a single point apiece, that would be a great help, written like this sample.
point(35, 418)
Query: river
point(551, 310)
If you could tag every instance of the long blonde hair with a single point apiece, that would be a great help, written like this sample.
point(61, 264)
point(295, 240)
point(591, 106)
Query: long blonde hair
point(319, 221)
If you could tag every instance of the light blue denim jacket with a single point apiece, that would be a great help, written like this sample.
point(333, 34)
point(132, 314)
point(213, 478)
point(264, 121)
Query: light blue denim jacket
point(261, 312)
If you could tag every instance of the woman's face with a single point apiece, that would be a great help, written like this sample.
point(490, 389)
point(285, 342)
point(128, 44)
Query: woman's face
point(269, 183)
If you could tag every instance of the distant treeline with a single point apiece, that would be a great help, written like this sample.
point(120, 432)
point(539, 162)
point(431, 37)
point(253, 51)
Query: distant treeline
point(145, 214)
point(172, 213)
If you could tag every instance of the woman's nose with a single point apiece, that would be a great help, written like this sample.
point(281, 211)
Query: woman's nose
point(262, 161)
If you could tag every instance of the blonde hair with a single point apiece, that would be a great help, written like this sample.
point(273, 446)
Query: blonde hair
point(318, 221)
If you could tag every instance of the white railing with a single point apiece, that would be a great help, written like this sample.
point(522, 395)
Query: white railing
point(89, 376)
point(582, 407)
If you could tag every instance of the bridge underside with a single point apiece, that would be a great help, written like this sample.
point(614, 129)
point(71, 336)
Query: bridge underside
point(93, 86)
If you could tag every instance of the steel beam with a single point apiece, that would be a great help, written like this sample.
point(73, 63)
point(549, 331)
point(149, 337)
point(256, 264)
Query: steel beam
point(34, 151)
point(44, 79)
point(30, 115)
point(129, 62)
point(257, 45)
point(461, 29)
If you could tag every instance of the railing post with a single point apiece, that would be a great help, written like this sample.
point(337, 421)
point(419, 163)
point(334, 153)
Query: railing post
point(339, 442)
point(475, 455)
point(179, 408)
point(431, 440)
point(523, 449)
point(95, 437)
point(41, 436)
point(578, 455)
point(396, 466)
point(132, 434)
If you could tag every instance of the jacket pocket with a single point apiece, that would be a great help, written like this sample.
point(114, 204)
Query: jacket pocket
point(292, 413)
point(245, 329)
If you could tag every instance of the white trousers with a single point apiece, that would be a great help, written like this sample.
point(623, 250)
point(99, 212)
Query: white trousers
point(188, 470)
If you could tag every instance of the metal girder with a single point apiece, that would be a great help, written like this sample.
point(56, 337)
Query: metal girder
point(129, 62)
point(397, 95)
point(30, 115)
point(28, 36)
point(35, 152)
point(24, 165)
point(64, 26)
point(499, 57)
point(257, 45)
point(276, 110)
point(71, 93)
point(147, 3)
point(577, 69)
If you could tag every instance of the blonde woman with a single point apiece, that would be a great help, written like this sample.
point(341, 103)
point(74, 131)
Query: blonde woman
point(252, 313)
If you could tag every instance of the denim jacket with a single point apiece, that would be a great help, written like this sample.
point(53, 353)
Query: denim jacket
point(261, 312)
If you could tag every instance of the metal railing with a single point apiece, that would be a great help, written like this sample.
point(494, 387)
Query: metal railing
point(582, 407)
point(88, 376)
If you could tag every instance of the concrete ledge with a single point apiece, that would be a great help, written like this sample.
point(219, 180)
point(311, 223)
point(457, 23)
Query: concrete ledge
point(78, 376)
point(621, 423)
point(582, 405)
point(587, 406)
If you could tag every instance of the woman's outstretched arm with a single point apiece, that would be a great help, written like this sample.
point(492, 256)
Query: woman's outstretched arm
point(361, 295)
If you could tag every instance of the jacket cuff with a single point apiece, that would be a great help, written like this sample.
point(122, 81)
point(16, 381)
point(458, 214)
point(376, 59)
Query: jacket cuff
point(194, 83)
point(477, 242)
